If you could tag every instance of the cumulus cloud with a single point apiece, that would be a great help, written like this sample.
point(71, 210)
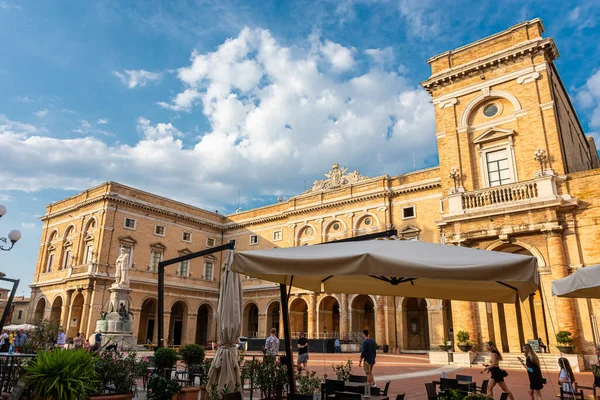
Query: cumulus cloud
point(41, 113)
point(422, 17)
point(588, 97)
point(278, 115)
point(383, 57)
point(133, 78)
point(102, 121)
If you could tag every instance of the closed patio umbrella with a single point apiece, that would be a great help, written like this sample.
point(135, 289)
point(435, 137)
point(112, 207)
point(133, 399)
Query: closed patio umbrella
point(584, 283)
point(225, 370)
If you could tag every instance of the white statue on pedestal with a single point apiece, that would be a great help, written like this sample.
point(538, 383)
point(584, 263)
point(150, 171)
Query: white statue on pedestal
point(122, 263)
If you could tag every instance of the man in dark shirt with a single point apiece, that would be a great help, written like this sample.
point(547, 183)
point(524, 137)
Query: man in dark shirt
point(302, 352)
point(368, 354)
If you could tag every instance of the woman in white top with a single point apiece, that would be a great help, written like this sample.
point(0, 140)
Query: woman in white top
point(566, 378)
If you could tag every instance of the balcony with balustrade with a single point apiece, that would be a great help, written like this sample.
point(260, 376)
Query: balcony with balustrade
point(525, 195)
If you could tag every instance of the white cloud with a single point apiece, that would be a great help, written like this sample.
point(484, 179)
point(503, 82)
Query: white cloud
point(133, 78)
point(574, 14)
point(340, 57)
point(382, 57)
point(102, 121)
point(588, 97)
point(42, 113)
point(28, 225)
point(422, 17)
point(5, 197)
point(85, 128)
point(277, 115)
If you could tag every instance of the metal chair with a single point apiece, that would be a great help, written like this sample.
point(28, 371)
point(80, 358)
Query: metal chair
point(386, 388)
point(332, 386)
point(466, 378)
point(504, 396)
point(431, 391)
point(400, 396)
point(449, 384)
point(347, 396)
point(233, 396)
point(357, 378)
point(484, 386)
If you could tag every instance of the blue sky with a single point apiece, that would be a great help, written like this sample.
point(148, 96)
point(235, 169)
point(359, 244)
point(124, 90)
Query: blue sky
point(197, 100)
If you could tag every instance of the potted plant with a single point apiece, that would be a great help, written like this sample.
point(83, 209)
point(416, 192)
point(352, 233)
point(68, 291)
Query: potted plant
point(446, 345)
point(343, 371)
point(164, 360)
point(62, 374)
point(271, 378)
point(205, 367)
point(161, 388)
point(193, 356)
point(307, 385)
point(117, 374)
point(464, 344)
point(564, 342)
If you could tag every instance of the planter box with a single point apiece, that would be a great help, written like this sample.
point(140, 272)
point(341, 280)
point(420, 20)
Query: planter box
point(188, 393)
point(565, 349)
point(464, 359)
point(465, 347)
point(439, 358)
point(113, 397)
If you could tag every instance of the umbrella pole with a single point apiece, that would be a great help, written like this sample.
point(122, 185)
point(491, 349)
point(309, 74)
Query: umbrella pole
point(287, 341)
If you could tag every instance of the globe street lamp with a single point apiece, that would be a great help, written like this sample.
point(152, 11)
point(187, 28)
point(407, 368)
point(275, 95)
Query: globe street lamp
point(13, 236)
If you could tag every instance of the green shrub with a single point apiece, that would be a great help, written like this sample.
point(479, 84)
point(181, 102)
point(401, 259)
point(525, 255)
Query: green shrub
point(117, 372)
point(307, 384)
point(463, 337)
point(38, 338)
point(564, 338)
point(160, 388)
point(62, 375)
point(192, 354)
point(343, 371)
point(165, 358)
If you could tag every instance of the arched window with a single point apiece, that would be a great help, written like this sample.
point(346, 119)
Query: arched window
point(51, 255)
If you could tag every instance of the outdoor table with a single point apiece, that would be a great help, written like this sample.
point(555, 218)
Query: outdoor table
point(364, 397)
point(356, 387)
point(462, 384)
point(356, 384)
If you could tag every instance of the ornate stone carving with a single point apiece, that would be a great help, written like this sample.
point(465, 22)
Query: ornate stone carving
point(337, 177)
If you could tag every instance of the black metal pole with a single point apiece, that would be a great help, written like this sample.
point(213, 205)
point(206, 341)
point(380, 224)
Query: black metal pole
point(10, 300)
point(287, 341)
point(161, 282)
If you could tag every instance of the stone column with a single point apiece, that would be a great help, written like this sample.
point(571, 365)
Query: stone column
point(436, 325)
point(564, 312)
point(344, 321)
point(465, 319)
point(190, 336)
point(312, 316)
point(380, 338)
point(262, 326)
point(65, 312)
point(85, 312)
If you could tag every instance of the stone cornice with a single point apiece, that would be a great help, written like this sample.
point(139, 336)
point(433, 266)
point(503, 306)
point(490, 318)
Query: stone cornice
point(485, 63)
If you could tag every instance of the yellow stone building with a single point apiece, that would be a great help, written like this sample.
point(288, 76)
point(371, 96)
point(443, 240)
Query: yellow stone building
point(497, 101)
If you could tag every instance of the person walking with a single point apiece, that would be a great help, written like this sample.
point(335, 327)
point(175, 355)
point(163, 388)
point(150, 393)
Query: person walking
point(596, 368)
point(302, 353)
point(62, 339)
point(78, 340)
point(536, 380)
point(20, 340)
point(97, 341)
point(497, 374)
point(368, 354)
point(336, 344)
point(4, 342)
point(272, 344)
point(566, 377)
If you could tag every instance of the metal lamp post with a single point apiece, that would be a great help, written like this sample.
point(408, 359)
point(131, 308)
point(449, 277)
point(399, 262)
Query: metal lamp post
point(540, 156)
point(454, 175)
point(13, 237)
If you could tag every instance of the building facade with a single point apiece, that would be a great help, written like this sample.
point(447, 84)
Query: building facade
point(497, 101)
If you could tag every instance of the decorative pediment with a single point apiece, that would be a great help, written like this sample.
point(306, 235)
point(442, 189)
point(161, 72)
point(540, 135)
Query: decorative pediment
point(185, 251)
point(158, 246)
point(67, 243)
point(51, 247)
point(409, 230)
point(88, 238)
point(336, 178)
point(127, 241)
point(493, 134)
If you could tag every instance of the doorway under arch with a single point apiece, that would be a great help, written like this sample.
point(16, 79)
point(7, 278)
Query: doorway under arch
point(178, 324)
point(40, 309)
point(363, 314)
point(203, 324)
point(56, 309)
point(148, 329)
point(299, 317)
point(329, 317)
point(251, 320)
point(416, 324)
point(273, 317)
point(76, 314)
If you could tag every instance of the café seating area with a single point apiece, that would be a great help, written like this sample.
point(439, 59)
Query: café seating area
point(356, 388)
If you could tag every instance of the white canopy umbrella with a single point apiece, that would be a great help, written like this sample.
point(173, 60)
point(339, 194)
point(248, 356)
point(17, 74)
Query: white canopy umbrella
point(22, 327)
point(583, 283)
point(225, 370)
point(396, 268)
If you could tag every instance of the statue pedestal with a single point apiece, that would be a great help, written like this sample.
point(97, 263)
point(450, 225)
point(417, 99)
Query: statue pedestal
point(117, 325)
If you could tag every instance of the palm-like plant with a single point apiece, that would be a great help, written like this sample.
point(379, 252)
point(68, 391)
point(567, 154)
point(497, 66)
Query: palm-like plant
point(62, 375)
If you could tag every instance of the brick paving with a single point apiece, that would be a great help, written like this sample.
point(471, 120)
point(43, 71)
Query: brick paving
point(408, 374)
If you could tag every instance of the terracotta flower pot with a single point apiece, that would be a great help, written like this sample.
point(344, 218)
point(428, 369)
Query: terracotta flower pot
point(113, 397)
point(203, 393)
point(188, 393)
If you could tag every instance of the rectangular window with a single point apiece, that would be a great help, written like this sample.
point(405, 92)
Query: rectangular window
point(186, 236)
point(159, 230)
point(253, 239)
point(408, 212)
point(155, 258)
point(208, 270)
point(184, 268)
point(129, 223)
point(210, 242)
point(89, 249)
point(498, 167)
point(277, 235)
point(50, 262)
point(67, 259)
point(20, 314)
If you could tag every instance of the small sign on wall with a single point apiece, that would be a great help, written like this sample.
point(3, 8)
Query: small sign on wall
point(74, 323)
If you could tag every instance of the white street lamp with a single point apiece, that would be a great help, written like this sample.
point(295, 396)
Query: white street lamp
point(13, 236)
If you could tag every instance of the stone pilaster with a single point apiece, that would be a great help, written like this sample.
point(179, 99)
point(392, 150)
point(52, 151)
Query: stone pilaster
point(65, 312)
point(85, 313)
point(344, 320)
point(564, 312)
point(464, 318)
point(380, 337)
point(312, 316)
